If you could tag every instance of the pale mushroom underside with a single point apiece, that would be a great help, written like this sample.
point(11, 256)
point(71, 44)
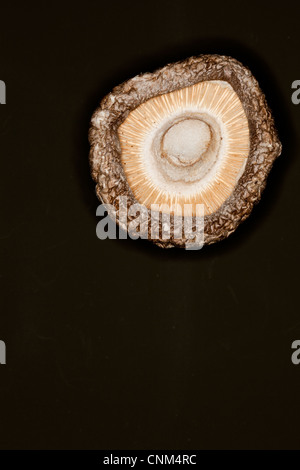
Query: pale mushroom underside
point(186, 147)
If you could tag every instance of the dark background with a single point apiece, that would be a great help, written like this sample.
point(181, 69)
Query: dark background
point(119, 344)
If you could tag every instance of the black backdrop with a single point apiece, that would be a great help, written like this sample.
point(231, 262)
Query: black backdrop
point(119, 344)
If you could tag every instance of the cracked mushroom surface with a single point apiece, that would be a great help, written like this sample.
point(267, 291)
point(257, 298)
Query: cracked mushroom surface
point(194, 132)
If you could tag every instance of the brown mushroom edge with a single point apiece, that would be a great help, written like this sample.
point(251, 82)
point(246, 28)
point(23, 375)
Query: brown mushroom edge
point(105, 153)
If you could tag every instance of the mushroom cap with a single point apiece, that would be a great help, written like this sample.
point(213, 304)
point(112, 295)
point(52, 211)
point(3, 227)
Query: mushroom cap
point(197, 131)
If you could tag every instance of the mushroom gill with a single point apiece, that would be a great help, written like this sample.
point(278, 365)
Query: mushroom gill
point(186, 147)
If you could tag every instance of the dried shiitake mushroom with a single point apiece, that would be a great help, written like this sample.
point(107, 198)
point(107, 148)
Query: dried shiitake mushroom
point(194, 132)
